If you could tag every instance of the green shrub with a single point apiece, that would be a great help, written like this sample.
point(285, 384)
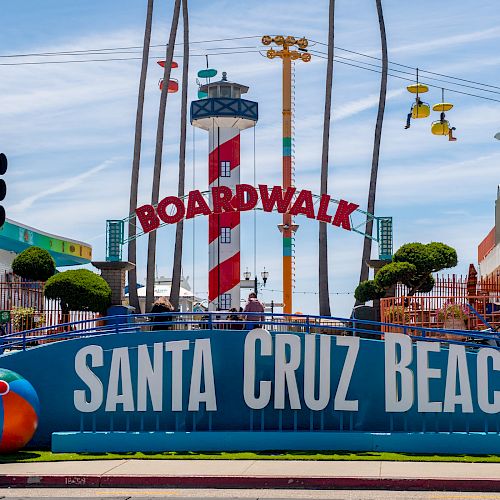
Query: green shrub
point(368, 290)
point(412, 266)
point(35, 264)
point(393, 273)
point(79, 290)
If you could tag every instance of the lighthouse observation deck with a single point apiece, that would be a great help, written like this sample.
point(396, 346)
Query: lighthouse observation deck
point(224, 112)
point(224, 107)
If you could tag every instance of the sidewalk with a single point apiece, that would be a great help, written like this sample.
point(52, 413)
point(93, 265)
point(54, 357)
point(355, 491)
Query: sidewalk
point(255, 474)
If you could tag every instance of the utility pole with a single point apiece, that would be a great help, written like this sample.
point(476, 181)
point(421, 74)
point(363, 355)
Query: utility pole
point(287, 228)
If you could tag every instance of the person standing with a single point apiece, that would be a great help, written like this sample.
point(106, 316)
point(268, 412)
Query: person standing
point(162, 305)
point(253, 306)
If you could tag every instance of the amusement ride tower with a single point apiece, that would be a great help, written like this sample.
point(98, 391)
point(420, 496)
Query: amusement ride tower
point(224, 114)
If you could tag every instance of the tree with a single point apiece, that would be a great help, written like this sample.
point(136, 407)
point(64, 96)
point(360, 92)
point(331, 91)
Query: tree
point(79, 290)
point(35, 264)
point(179, 230)
point(155, 191)
point(132, 244)
point(324, 296)
point(367, 243)
point(412, 265)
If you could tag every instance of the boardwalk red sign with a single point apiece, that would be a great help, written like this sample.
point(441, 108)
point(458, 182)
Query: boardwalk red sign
point(172, 209)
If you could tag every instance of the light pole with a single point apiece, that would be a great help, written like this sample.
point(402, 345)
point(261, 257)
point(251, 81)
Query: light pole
point(264, 276)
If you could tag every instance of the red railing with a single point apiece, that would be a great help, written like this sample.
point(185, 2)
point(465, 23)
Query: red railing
point(455, 285)
point(30, 309)
point(445, 312)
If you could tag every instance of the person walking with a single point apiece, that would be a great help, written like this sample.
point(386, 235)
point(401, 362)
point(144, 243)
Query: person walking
point(253, 306)
point(162, 305)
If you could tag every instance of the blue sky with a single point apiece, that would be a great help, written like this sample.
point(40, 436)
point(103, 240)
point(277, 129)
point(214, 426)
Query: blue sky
point(68, 128)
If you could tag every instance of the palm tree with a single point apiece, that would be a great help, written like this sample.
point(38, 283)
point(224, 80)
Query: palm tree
point(324, 297)
point(132, 247)
point(155, 191)
point(367, 244)
point(179, 231)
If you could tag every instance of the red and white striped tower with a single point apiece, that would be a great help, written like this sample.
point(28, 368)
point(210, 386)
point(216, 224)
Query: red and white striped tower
point(223, 114)
point(224, 229)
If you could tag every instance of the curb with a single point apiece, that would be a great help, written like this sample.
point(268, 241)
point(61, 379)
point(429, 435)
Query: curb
point(249, 482)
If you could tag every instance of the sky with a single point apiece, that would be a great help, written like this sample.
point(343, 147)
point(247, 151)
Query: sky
point(68, 129)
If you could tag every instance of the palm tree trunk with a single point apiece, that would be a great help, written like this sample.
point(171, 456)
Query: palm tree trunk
point(324, 296)
point(155, 192)
point(367, 244)
point(179, 230)
point(132, 246)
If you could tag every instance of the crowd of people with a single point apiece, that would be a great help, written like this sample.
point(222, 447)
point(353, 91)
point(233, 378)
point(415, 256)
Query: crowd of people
point(246, 318)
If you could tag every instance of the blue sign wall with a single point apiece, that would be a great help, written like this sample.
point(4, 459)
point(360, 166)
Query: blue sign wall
point(254, 381)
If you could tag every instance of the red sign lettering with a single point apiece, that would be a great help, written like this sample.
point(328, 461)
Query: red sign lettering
point(180, 210)
point(252, 197)
point(276, 197)
point(148, 218)
point(221, 199)
point(344, 210)
point(303, 205)
point(196, 205)
point(323, 209)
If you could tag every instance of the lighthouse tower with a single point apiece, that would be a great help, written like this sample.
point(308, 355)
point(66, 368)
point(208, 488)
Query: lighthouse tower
point(224, 114)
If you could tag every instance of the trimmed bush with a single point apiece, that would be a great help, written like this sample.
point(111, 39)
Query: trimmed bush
point(35, 264)
point(79, 290)
point(412, 266)
point(368, 290)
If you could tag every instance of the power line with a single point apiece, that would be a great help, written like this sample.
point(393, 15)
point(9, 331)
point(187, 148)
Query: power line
point(83, 51)
point(409, 67)
point(126, 49)
point(412, 80)
point(247, 50)
point(111, 59)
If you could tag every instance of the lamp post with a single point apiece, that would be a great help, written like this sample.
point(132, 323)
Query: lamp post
point(264, 276)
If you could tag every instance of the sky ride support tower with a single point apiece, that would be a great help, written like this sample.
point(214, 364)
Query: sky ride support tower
point(224, 114)
point(288, 227)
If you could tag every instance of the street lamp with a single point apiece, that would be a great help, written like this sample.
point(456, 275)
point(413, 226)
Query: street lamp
point(264, 275)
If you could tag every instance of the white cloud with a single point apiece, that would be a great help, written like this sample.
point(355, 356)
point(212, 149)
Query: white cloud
point(65, 185)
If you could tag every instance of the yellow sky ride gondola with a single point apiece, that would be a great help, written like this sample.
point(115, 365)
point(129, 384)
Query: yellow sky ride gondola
point(442, 126)
point(418, 109)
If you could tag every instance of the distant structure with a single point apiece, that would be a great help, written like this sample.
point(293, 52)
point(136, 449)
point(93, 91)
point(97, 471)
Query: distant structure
point(224, 114)
point(488, 251)
point(16, 237)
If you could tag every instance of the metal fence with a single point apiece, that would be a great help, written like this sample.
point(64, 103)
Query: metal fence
point(30, 309)
point(275, 323)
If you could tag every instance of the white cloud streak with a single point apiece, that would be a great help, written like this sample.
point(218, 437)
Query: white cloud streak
point(66, 185)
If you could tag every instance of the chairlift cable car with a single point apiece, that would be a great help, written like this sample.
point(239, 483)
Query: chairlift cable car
point(442, 126)
point(418, 109)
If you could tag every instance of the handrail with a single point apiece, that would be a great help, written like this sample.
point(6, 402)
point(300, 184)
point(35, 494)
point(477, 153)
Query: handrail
point(219, 320)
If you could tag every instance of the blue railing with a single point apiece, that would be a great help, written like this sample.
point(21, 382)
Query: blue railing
point(274, 322)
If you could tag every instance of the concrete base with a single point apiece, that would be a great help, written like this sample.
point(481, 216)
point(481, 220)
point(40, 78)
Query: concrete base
point(445, 443)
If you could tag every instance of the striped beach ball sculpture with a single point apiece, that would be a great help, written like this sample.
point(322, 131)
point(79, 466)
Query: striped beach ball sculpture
point(19, 410)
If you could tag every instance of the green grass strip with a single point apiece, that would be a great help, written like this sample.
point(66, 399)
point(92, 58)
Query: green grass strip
point(47, 456)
